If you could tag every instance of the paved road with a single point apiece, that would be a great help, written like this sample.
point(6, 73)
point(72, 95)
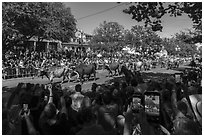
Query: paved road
point(101, 78)
point(10, 84)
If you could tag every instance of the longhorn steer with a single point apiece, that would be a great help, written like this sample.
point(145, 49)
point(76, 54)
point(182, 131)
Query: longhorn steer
point(112, 67)
point(55, 72)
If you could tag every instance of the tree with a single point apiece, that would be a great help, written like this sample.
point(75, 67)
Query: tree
point(129, 37)
point(152, 12)
point(177, 46)
point(62, 24)
point(182, 39)
point(23, 20)
point(110, 34)
point(144, 37)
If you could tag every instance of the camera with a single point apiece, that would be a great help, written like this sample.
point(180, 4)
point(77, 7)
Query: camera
point(152, 105)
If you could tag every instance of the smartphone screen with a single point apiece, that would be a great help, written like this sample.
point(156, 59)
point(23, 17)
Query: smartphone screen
point(136, 103)
point(177, 78)
point(25, 108)
point(152, 105)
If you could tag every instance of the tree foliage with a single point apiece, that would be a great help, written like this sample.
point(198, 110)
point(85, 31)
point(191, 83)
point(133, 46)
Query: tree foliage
point(152, 12)
point(145, 36)
point(109, 34)
point(178, 46)
point(23, 20)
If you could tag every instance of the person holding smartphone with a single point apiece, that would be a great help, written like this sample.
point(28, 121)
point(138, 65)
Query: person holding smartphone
point(53, 121)
point(147, 115)
point(146, 128)
point(182, 124)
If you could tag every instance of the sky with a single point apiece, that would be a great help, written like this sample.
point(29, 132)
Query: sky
point(171, 25)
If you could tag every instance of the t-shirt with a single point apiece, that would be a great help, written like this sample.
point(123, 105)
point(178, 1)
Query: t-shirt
point(77, 99)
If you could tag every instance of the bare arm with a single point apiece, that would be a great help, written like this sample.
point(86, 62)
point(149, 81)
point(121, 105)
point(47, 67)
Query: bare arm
point(174, 101)
point(146, 128)
point(31, 129)
point(128, 122)
point(50, 96)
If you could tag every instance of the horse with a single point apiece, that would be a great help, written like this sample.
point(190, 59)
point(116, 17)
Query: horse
point(128, 74)
point(112, 67)
point(54, 72)
point(84, 69)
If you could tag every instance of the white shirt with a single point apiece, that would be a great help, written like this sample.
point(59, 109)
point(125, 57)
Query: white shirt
point(77, 99)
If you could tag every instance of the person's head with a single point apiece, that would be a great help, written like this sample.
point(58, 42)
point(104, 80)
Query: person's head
point(116, 84)
point(166, 94)
point(134, 82)
point(129, 92)
point(98, 99)
point(93, 87)
point(123, 85)
point(68, 101)
point(182, 107)
point(99, 89)
point(86, 102)
point(50, 111)
point(185, 126)
point(193, 90)
point(86, 116)
point(25, 96)
point(154, 85)
point(115, 94)
point(78, 88)
point(106, 97)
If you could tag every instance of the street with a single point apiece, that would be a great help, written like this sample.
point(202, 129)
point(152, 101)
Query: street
point(9, 85)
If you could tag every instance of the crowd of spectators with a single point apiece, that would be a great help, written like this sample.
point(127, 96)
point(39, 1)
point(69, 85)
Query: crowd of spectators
point(105, 109)
point(23, 63)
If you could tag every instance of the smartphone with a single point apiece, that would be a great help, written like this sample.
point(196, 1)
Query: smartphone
point(136, 102)
point(152, 105)
point(25, 108)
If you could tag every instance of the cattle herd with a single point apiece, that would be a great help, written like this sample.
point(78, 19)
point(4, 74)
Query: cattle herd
point(88, 68)
point(72, 66)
